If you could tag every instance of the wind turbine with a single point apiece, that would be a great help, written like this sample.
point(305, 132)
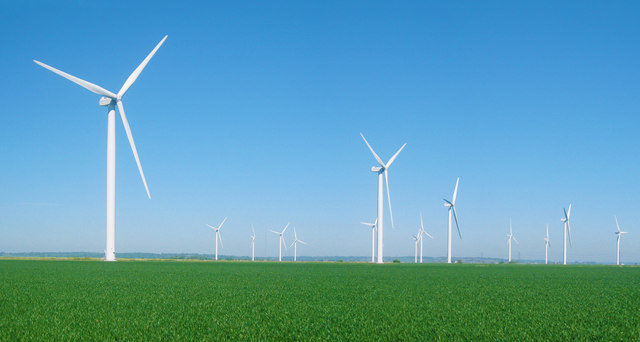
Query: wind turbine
point(510, 237)
point(218, 236)
point(567, 227)
point(422, 233)
point(373, 238)
point(619, 233)
point(281, 242)
point(295, 244)
point(382, 170)
point(451, 205)
point(253, 244)
point(416, 239)
point(111, 100)
point(547, 243)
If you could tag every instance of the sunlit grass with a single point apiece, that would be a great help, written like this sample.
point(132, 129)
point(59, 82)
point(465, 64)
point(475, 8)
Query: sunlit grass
point(46, 300)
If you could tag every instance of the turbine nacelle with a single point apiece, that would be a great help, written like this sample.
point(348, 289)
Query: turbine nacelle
point(376, 169)
point(105, 101)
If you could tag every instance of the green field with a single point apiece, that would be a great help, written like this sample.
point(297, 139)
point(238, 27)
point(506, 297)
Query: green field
point(142, 300)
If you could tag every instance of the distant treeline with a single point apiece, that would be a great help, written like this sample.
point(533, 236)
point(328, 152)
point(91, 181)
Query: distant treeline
point(196, 256)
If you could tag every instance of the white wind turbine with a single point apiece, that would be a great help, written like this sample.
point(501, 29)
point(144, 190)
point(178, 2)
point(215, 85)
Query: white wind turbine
point(295, 244)
point(373, 238)
point(281, 241)
point(619, 233)
point(511, 237)
point(416, 240)
point(253, 244)
point(382, 170)
point(218, 236)
point(567, 228)
point(547, 243)
point(111, 100)
point(422, 233)
point(451, 205)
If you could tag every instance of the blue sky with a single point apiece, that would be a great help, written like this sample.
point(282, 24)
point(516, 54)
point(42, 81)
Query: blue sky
point(253, 110)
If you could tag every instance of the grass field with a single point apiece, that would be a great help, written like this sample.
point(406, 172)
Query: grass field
point(153, 300)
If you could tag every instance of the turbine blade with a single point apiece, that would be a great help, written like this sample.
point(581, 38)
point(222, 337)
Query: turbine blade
point(284, 242)
point(134, 75)
point(455, 215)
point(617, 225)
point(395, 156)
point(223, 221)
point(273, 231)
point(516, 240)
point(220, 238)
point(421, 224)
point(293, 243)
point(455, 192)
point(87, 85)
point(295, 234)
point(212, 227)
point(253, 231)
point(285, 228)
point(510, 228)
point(372, 151)
point(547, 230)
point(302, 242)
point(127, 129)
point(386, 179)
point(368, 224)
point(569, 230)
point(569, 212)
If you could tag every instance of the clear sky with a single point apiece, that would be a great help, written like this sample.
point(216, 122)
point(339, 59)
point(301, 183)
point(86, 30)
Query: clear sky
point(253, 110)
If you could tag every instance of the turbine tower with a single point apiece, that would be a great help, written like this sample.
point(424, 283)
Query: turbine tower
point(295, 244)
point(281, 241)
point(422, 233)
point(619, 233)
point(111, 100)
point(382, 170)
point(373, 238)
point(510, 237)
point(253, 244)
point(416, 239)
point(546, 246)
point(567, 228)
point(218, 236)
point(451, 205)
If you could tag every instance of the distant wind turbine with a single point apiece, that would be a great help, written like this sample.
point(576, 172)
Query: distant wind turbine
point(422, 233)
point(281, 241)
point(111, 100)
point(567, 228)
point(510, 237)
point(295, 244)
point(253, 244)
point(382, 170)
point(619, 233)
point(218, 236)
point(373, 238)
point(547, 243)
point(451, 205)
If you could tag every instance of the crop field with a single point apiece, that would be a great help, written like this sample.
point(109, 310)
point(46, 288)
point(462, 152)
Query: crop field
point(154, 300)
